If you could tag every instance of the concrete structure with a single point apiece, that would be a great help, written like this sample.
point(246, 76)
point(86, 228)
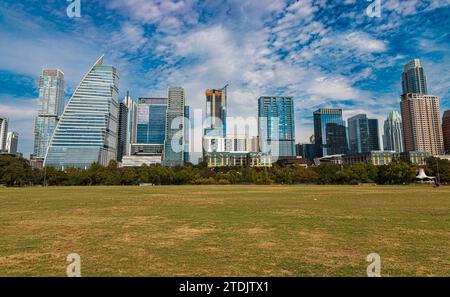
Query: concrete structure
point(87, 130)
point(330, 132)
point(446, 131)
point(3, 133)
point(237, 159)
point(393, 133)
point(276, 126)
point(238, 143)
point(50, 108)
point(422, 129)
point(12, 143)
point(139, 160)
point(216, 112)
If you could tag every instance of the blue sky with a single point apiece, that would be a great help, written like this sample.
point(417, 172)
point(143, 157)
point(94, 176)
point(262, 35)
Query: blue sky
point(324, 53)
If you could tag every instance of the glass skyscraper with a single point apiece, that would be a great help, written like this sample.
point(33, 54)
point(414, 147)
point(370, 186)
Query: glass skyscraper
point(393, 133)
point(174, 144)
point(330, 132)
point(358, 128)
point(374, 135)
point(413, 78)
point(50, 108)
point(87, 130)
point(187, 130)
point(122, 130)
point(150, 126)
point(363, 134)
point(276, 126)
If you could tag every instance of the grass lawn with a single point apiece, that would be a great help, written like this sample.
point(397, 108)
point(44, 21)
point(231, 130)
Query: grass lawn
point(225, 230)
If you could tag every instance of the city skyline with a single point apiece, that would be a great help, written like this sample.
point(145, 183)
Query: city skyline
point(209, 50)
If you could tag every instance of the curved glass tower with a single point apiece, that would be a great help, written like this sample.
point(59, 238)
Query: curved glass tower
point(87, 130)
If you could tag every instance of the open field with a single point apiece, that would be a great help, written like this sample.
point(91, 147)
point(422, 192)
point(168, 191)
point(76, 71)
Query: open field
point(225, 230)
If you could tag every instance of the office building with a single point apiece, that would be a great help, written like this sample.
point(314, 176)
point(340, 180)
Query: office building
point(3, 133)
point(87, 130)
point(330, 133)
point(237, 159)
point(174, 144)
point(216, 112)
point(413, 78)
point(446, 131)
point(187, 132)
point(50, 107)
point(422, 128)
point(131, 122)
point(393, 133)
point(358, 133)
point(12, 143)
point(276, 126)
point(374, 135)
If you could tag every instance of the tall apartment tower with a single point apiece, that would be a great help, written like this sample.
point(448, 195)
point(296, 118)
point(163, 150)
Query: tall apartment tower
point(87, 130)
point(174, 144)
point(422, 129)
point(276, 126)
point(50, 108)
point(330, 132)
point(393, 133)
point(216, 112)
point(12, 143)
point(446, 131)
point(413, 78)
point(3, 133)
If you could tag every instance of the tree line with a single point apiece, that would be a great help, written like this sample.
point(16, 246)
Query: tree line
point(18, 172)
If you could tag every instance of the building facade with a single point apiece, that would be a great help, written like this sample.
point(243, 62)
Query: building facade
point(50, 108)
point(216, 112)
point(237, 159)
point(393, 133)
point(87, 130)
point(413, 78)
point(12, 143)
point(358, 133)
point(446, 131)
point(330, 132)
point(422, 128)
point(276, 126)
point(3, 133)
point(122, 131)
point(374, 135)
point(174, 144)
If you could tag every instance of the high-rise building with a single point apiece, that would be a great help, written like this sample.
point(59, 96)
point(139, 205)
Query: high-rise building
point(413, 78)
point(87, 130)
point(358, 133)
point(132, 122)
point(393, 133)
point(187, 131)
point(276, 126)
point(50, 108)
point(422, 123)
point(151, 124)
point(12, 142)
point(330, 133)
point(374, 135)
point(216, 112)
point(446, 131)
point(3, 132)
point(174, 144)
point(122, 130)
